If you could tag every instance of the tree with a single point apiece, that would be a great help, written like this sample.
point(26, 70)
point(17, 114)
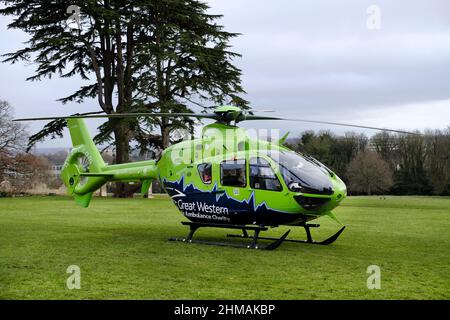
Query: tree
point(12, 134)
point(407, 157)
point(12, 137)
point(26, 170)
point(437, 162)
point(335, 152)
point(369, 173)
point(186, 56)
point(345, 149)
point(385, 144)
point(144, 55)
point(411, 176)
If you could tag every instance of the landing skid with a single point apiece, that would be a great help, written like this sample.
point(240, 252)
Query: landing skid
point(308, 236)
point(194, 226)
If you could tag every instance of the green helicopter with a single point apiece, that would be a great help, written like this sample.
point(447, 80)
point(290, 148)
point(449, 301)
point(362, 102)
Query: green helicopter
point(223, 179)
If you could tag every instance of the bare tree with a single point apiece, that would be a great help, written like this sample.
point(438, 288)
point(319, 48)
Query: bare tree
point(12, 136)
point(437, 160)
point(26, 171)
point(369, 173)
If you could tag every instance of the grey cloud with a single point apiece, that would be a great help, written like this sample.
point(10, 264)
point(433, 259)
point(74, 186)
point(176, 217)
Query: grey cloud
point(318, 58)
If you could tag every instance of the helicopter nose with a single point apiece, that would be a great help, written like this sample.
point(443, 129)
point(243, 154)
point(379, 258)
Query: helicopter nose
point(323, 199)
point(311, 203)
point(340, 191)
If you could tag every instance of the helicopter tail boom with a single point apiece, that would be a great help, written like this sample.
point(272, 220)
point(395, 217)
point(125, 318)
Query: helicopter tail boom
point(84, 170)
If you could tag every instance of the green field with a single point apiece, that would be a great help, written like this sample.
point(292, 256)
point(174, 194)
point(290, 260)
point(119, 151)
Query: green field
point(122, 250)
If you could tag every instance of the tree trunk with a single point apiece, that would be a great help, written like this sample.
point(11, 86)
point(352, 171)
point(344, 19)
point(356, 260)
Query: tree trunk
point(122, 155)
point(165, 136)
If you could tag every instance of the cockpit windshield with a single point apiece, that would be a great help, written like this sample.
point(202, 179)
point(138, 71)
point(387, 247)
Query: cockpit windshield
point(303, 173)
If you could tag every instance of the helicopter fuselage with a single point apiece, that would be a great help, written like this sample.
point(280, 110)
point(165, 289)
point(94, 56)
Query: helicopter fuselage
point(228, 178)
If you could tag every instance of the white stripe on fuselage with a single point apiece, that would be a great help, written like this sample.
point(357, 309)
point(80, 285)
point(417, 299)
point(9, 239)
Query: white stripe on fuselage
point(178, 195)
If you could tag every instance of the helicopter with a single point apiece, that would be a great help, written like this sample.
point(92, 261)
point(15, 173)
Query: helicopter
point(223, 179)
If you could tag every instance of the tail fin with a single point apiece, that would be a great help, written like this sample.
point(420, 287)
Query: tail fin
point(80, 137)
point(84, 170)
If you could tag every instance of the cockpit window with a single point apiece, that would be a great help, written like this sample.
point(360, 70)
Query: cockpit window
point(205, 172)
point(302, 173)
point(233, 173)
point(262, 175)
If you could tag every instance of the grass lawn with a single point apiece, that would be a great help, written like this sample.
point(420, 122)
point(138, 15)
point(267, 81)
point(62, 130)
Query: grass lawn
point(122, 250)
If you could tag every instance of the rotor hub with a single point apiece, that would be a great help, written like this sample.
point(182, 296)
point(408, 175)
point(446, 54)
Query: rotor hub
point(227, 114)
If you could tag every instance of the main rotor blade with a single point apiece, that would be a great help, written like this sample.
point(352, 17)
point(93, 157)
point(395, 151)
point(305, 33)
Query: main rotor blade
point(125, 115)
point(250, 117)
point(209, 116)
point(260, 110)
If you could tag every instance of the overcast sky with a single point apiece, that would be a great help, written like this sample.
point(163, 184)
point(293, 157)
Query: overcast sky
point(306, 59)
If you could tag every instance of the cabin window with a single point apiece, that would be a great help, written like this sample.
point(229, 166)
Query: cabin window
point(233, 173)
point(262, 175)
point(205, 172)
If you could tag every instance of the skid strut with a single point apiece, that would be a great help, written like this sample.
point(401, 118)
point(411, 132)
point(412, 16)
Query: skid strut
point(309, 239)
point(194, 226)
